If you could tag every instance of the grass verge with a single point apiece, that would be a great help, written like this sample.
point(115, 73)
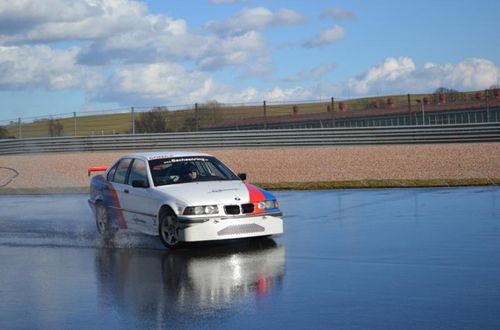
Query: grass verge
point(319, 185)
point(315, 185)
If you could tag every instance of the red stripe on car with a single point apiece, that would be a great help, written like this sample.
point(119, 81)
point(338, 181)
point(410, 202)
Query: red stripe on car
point(118, 209)
point(256, 196)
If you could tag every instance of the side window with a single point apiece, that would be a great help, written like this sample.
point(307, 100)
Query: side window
point(111, 173)
point(138, 171)
point(121, 170)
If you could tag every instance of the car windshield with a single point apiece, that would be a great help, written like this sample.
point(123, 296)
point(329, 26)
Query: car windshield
point(188, 169)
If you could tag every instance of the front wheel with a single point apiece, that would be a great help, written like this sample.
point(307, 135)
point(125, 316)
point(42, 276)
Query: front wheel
point(103, 221)
point(169, 229)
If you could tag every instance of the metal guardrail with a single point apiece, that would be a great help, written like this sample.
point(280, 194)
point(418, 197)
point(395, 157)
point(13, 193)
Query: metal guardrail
point(486, 132)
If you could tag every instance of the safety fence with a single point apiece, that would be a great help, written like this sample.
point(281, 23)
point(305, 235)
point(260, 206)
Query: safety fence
point(445, 107)
point(486, 132)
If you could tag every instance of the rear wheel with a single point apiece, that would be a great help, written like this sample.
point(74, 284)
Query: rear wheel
point(169, 229)
point(103, 221)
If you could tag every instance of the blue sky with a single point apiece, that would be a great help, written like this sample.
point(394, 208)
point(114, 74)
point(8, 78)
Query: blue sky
point(59, 56)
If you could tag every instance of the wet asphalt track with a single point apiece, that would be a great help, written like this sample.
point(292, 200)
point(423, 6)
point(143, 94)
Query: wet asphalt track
point(349, 259)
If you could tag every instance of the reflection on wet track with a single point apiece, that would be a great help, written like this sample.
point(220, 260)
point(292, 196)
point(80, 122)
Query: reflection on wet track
point(175, 287)
point(378, 259)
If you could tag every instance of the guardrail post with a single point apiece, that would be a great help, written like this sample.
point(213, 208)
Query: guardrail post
point(19, 131)
point(132, 113)
point(333, 112)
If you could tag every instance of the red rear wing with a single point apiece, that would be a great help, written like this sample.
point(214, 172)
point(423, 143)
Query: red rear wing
point(97, 169)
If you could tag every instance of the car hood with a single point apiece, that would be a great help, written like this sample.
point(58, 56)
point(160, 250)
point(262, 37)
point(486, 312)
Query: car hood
point(210, 192)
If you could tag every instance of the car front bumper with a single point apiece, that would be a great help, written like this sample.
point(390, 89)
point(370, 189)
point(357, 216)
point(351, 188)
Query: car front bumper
point(232, 228)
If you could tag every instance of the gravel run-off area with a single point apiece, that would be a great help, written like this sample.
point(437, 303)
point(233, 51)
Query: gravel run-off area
point(280, 165)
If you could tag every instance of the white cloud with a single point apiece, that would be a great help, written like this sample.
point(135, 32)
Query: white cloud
point(393, 76)
point(474, 73)
point(30, 67)
point(160, 83)
point(33, 67)
point(337, 13)
point(290, 94)
point(392, 70)
point(20, 15)
point(326, 37)
point(163, 83)
point(400, 75)
point(253, 95)
point(246, 95)
point(60, 20)
point(114, 31)
point(216, 53)
point(254, 19)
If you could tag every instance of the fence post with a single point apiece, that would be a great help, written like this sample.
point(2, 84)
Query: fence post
point(409, 110)
point(132, 113)
point(486, 98)
point(265, 115)
point(19, 131)
point(196, 124)
point(74, 121)
point(333, 112)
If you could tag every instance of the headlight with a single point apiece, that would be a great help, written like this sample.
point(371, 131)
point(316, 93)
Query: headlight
point(268, 205)
point(201, 210)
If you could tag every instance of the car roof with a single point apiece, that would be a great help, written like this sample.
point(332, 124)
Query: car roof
point(165, 154)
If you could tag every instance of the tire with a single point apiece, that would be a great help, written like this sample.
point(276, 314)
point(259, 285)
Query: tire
point(168, 229)
point(103, 222)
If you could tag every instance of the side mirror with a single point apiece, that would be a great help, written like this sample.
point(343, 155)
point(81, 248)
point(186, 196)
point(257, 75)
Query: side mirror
point(140, 184)
point(242, 176)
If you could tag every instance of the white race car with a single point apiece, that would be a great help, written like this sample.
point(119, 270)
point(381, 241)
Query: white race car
point(182, 197)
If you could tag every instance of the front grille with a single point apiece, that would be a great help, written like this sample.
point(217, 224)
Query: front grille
point(232, 209)
point(247, 208)
point(241, 229)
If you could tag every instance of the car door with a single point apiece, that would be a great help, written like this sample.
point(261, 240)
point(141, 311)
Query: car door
point(118, 205)
point(139, 200)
